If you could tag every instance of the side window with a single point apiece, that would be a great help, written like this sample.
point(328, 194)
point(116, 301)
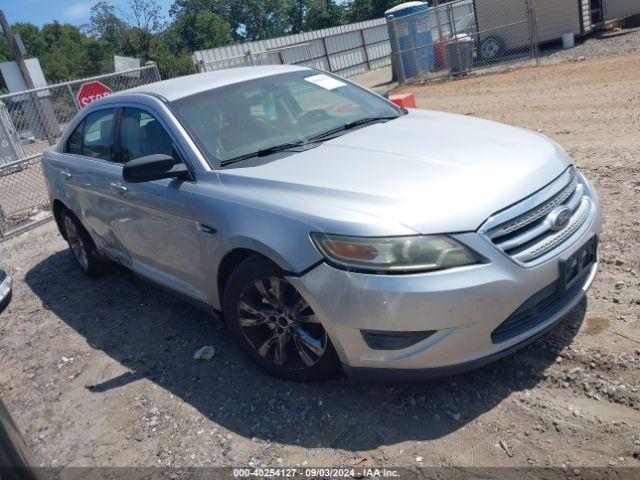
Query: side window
point(74, 142)
point(142, 134)
point(97, 136)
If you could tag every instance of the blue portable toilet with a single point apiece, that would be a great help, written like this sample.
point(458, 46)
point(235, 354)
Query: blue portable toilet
point(410, 25)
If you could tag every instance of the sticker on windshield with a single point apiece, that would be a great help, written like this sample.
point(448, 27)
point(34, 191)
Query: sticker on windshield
point(325, 81)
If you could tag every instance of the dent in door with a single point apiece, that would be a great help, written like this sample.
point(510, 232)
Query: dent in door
point(90, 187)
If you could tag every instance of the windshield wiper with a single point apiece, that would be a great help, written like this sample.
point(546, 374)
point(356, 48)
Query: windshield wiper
point(299, 143)
point(263, 152)
point(350, 125)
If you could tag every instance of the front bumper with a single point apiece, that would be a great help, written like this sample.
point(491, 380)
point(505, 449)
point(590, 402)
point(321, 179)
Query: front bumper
point(5, 292)
point(464, 306)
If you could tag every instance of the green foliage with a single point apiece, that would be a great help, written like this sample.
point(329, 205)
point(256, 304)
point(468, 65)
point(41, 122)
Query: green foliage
point(324, 14)
point(359, 10)
point(260, 19)
point(31, 38)
point(67, 52)
point(211, 31)
point(105, 25)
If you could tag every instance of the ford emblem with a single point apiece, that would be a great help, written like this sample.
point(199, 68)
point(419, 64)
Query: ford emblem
point(559, 218)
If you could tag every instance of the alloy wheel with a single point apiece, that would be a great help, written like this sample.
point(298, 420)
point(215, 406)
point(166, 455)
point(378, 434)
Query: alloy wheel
point(75, 242)
point(280, 325)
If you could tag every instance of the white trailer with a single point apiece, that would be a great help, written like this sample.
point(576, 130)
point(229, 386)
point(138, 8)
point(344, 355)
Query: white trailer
point(503, 24)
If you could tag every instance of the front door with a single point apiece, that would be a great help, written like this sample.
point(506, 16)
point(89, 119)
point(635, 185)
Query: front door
point(614, 9)
point(154, 221)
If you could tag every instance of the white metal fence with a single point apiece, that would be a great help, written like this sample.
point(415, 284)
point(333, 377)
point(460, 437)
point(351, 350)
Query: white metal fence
point(346, 50)
point(30, 122)
point(448, 39)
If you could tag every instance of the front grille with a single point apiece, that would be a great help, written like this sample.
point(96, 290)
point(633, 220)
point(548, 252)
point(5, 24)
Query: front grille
point(538, 309)
point(526, 231)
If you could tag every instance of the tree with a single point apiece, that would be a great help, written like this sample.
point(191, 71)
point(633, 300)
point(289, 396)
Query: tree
point(211, 31)
point(170, 64)
point(31, 38)
point(68, 52)
point(145, 21)
point(324, 14)
point(105, 25)
point(183, 28)
point(359, 10)
point(259, 19)
point(66, 56)
point(297, 12)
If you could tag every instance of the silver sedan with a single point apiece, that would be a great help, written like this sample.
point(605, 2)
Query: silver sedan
point(328, 226)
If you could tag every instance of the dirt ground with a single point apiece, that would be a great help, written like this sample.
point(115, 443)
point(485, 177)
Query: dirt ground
point(100, 372)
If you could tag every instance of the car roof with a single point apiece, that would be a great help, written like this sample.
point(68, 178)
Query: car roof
point(181, 87)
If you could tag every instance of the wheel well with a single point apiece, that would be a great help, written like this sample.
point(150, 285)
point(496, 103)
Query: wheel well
point(230, 261)
point(58, 208)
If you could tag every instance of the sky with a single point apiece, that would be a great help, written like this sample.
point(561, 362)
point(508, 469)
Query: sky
point(75, 12)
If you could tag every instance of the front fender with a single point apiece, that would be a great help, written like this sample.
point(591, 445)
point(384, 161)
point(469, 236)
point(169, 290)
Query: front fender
point(280, 238)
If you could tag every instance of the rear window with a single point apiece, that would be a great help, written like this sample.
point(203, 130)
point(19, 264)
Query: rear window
point(93, 137)
point(74, 143)
point(97, 134)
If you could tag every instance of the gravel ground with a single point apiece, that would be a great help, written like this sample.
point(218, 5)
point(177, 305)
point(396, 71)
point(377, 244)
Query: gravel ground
point(100, 372)
point(603, 44)
point(610, 43)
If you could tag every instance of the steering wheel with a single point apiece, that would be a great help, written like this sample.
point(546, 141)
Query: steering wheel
point(265, 124)
point(315, 115)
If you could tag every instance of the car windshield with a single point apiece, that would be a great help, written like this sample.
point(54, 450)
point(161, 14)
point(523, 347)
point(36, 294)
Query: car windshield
point(254, 116)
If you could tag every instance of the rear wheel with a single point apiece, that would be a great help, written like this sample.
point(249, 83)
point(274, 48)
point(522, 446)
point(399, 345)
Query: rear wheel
point(82, 247)
point(275, 326)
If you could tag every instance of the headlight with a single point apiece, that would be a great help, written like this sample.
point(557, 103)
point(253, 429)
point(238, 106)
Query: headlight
point(395, 254)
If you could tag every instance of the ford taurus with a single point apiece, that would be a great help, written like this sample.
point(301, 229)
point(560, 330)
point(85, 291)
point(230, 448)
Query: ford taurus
point(328, 226)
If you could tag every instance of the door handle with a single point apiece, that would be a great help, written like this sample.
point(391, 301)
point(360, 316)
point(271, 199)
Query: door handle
point(118, 187)
point(66, 175)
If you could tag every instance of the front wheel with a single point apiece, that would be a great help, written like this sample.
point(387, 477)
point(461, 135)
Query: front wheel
point(275, 326)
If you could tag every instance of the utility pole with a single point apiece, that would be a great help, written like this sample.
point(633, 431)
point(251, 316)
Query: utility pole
point(20, 60)
point(17, 53)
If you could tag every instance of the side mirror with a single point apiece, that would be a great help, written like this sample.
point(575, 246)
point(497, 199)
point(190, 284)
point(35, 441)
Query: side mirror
point(154, 167)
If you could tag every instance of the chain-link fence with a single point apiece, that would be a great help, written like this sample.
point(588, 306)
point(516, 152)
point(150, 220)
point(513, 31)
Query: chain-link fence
point(457, 37)
point(32, 121)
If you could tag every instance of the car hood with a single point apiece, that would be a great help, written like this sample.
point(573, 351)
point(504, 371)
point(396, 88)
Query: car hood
point(432, 172)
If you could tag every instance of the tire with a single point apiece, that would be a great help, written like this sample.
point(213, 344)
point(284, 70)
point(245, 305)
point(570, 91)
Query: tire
point(491, 48)
point(82, 247)
point(280, 333)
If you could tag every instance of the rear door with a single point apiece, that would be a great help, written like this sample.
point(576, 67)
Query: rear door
point(614, 9)
point(88, 171)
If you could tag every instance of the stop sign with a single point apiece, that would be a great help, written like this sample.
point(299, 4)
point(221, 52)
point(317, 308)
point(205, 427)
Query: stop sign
point(92, 91)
